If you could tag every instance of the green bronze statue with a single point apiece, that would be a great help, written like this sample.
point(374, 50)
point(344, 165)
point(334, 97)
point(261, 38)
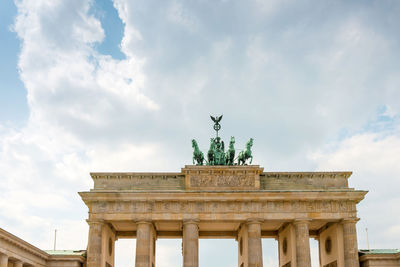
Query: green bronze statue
point(216, 154)
point(197, 154)
point(216, 121)
point(230, 153)
point(246, 154)
point(211, 153)
point(219, 151)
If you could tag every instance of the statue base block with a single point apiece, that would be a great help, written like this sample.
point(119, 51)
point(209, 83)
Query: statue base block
point(220, 178)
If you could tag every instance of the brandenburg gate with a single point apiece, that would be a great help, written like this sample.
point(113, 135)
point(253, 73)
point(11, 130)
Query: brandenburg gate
point(235, 201)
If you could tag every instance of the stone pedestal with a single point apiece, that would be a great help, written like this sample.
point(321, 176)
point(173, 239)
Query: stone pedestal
point(190, 243)
point(350, 243)
point(94, 248)
point(254, 244)
point(303, 257)
point(3, 260)
point(145, 247)
point(222, 177)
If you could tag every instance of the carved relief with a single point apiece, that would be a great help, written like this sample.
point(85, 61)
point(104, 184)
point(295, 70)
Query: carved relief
point(296, 205)
point(234, 177)
point(102, 206)
point(119, 206)
point(278, 205)
point(222, 181)
point(342, 206)
point(199, 207)
point(324, 206)
point(223, 206)
point(310, 206)
point(270, 205)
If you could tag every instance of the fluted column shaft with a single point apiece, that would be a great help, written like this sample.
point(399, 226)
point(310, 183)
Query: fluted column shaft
point(3, 260)
point(254, 244)
point(303, 257)
point(94, 248)
point(350, 243)
point(190, 243)
point(143, 244)
point(18, 264)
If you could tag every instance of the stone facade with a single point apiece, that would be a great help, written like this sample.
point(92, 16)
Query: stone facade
point(239, 202)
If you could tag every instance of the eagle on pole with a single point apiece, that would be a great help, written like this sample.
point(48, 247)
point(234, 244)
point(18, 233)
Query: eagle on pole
point(216, 119)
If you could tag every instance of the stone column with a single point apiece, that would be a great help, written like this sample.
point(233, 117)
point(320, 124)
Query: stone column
point(144, 234)
point(190, 243)
point(94, 248)
point(303, 257)
point(254, 243)
point(18, 264)
point(3, 260)
point(350, 242)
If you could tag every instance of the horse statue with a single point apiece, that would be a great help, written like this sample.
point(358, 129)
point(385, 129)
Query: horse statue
point(211, 152)
point(246, 154)
point(230, 153)
point(197, 154)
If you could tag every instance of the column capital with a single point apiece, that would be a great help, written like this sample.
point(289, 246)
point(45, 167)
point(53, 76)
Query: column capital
point(2, 256)
point(254, 221)
point(18, 263)
point(144, 222)
point(190, 221)
point(3, 260)
point(301, 221)
point(349, 220)
point(90, 222)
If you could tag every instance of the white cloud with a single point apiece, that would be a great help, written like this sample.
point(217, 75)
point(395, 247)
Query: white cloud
point(63, 73)
point(125, 252)
point(268, 8)
point(179, 15)
point(169, 253)
point(70, 87)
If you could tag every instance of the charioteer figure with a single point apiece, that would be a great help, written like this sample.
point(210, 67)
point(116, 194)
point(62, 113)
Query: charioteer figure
point(216, 154)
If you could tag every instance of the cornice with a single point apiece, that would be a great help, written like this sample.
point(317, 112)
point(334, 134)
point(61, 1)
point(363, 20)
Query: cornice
point(18, 242)
point(66, 258)
point(156, 175)
point(135, 175)
point(337, 195)
point(389, 256)
point(331, 174)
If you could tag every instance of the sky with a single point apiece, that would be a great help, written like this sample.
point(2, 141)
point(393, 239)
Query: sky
point(122, 85)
